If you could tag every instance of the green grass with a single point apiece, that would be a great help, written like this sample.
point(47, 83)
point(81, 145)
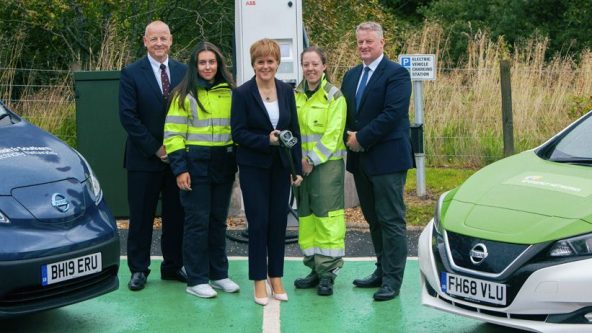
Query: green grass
point(438, 181)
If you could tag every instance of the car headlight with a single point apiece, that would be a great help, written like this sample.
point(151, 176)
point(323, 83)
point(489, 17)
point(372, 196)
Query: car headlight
point(438, 213)
point(95, 186)
point(575, 246)
point(4, 219)
point(92, 181)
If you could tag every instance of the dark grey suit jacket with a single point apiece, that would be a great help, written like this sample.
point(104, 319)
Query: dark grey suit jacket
point(382, 120)
point(142, 111)
point(251, 125)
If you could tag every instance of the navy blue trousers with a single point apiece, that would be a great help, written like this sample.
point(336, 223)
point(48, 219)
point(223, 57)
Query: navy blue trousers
point(381, 200)
point(144, 190)
point(204, 237)
point(266, 195)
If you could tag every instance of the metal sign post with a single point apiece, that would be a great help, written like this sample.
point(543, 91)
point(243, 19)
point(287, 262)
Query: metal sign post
point(421, 67)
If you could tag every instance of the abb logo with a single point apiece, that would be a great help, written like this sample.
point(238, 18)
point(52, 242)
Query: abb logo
point(251, 3)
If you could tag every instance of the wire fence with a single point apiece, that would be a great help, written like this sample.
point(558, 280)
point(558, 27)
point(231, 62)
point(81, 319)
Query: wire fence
point(44, 97)
point(461, 128)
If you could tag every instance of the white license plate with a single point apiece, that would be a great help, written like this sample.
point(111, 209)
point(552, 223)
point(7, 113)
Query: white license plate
point(474, 289)
point(70, 269)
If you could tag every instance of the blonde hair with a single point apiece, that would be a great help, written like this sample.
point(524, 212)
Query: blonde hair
point(263, 48)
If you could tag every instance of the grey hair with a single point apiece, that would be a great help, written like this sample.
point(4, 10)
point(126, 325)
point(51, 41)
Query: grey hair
point(371, 26)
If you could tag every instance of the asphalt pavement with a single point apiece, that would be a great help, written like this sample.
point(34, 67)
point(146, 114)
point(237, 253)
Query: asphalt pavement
point(357, 243)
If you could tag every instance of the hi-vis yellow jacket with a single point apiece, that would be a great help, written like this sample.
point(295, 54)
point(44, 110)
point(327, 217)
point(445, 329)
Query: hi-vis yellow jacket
point(194, 126)
point(322, 122)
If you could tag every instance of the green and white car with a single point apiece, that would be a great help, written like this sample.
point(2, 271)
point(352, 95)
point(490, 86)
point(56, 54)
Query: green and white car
point(513, 244)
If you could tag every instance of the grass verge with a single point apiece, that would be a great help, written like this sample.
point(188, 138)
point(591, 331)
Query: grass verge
point(438, 181)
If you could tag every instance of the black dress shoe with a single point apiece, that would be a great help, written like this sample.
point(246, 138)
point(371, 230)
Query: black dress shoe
point(325, 287)
point(370, 281)
point(385, 293)
point(310, 281)
point(179, 275)
point(137, 282)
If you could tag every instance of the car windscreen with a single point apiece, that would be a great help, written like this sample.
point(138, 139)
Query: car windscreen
point(7, 118)
point(572, 146)
point(4, 117)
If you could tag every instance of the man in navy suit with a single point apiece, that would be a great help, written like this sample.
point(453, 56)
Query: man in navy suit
point(144, 89)
point(377, 94)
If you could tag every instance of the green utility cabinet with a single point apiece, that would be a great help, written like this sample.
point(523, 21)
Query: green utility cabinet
point(100, 137)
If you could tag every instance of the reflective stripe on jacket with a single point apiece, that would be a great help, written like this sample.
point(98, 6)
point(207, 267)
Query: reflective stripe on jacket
point(322, 122)
point(193, 126)
point(192, 134)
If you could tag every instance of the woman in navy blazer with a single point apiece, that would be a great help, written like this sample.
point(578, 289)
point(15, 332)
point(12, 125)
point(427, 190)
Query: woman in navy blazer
point(261, 108)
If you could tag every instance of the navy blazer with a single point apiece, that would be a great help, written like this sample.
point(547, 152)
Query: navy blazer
point(251, 126)
point(142, 111)
point(382, 120)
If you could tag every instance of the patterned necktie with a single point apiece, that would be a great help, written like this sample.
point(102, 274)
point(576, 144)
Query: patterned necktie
point(361, 88)
point(166, 84)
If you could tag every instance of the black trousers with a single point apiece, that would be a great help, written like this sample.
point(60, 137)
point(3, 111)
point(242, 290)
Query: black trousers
point(204, 237)
point(381, 200)
point(266, 195)
point(144, 190)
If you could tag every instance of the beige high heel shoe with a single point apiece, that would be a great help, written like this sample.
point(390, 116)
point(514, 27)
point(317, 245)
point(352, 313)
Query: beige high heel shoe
point(261, 300)
point(279, 296)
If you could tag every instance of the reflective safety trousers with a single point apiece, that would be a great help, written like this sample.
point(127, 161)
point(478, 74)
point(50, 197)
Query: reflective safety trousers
point(322, 122)
point(321, 211)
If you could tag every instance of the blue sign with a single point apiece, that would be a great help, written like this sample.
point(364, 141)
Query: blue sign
point(406, 62)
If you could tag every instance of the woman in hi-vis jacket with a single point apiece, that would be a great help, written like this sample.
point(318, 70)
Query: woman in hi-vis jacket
point(198, 141)
point(322, 113)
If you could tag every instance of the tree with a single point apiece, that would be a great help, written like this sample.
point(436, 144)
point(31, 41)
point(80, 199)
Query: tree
point(407, 9)
point(565, 22)
point(58, 34)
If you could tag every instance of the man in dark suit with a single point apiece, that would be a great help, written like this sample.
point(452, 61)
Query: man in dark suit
point(144, 89)
point(377, 94)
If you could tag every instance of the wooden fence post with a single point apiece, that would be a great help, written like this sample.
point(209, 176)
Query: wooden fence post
point(507, 122)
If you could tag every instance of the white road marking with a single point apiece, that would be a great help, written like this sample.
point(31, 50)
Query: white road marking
point(271, 317)
point(271, 312)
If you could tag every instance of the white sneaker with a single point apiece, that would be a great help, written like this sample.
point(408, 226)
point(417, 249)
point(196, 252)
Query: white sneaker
point(225, 284)
point(202, 290)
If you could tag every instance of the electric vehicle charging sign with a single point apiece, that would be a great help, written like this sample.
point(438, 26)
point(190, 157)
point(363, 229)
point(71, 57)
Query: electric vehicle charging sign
point(421, 67)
